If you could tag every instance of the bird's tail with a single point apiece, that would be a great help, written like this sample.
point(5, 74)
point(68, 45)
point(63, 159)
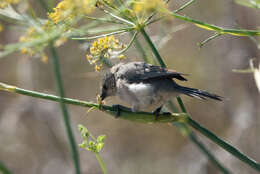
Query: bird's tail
point(198, 93)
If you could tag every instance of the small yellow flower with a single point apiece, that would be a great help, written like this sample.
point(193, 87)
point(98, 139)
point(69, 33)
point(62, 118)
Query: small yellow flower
point(122, 56)
point(60, 41)
point(69, 9)
point(89, 57)
point(98, 67)
point(31, 35)
point(44, 58)
point(24, 51)
point(99, 101)
point(1, 28)
point(106, 47)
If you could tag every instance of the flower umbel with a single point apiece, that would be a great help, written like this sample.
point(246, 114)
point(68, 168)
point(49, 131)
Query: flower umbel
point(30, 35)
point(148, 6)
point(5, 3)
point(104, 48)
point(69, 9)
point(90, 143)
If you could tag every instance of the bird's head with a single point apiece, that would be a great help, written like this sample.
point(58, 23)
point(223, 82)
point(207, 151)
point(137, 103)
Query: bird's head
point(108, 86)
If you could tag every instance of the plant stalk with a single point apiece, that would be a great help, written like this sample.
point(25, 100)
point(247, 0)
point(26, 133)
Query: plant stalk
point(127, 114)
point(64, 109)
point(183, 126)
point(4, 169)
point(229, 148)
point(101, 163)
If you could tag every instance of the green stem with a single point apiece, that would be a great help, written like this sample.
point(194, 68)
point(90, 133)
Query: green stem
point(101, 163)
point(108, 20)
point(127, 114)
point(223, 144)
point(186, 131)
point(210, 156)
point(99, 36)
point(184, 6)
point(140, 49)
point(182, 126)
point(181, 104)
point(66, 118)
point(119, 18)
point(218, 29)
point(154, 50)
point(4, 169)
point(129, 44)
point(148, 22)
point(209, 39)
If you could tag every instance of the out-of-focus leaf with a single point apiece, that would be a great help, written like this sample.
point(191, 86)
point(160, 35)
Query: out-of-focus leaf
point(249, 3)
point(257, 77)
point(256, 72)
point(242, 70)
point(11, 14)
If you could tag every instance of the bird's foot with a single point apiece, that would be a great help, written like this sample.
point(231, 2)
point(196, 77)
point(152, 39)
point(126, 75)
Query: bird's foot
point(167, 113)
point(156, 112)
point(118, 109)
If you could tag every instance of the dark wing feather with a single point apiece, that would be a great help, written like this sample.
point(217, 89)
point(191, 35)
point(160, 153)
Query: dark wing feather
point(140, 71)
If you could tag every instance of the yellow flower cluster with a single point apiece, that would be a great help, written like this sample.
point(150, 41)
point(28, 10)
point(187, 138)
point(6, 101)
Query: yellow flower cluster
point(5, 3)
point(148, 6)
point(31, 35)
point(106, 47)
point(69, 9)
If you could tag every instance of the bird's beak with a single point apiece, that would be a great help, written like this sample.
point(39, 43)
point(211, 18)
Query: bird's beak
point(102, 96)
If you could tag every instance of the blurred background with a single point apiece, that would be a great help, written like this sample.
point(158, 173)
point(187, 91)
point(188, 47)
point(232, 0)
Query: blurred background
point(32, 132)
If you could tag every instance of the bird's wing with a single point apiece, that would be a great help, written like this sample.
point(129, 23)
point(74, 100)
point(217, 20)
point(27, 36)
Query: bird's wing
point(140, 71)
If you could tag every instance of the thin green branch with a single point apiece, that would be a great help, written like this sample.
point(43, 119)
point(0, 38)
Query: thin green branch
point(118, 18)
point(103, 20)
point(182, 126)
point(140, 49)
point(66, 118)
point(152, 15)
point(257, 42)
point(127, 114)
point(224, 144)
point(4, 169)
point(154, 50)
point(210, 156)
point(101, 163)
point(99, 36)
point(181, 104)
point(148, 21)
point(201, 44)
point(184, 6)
point(221, 30)
point(129, 44)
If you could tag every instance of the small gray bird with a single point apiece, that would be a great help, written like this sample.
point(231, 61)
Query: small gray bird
point(145, 86)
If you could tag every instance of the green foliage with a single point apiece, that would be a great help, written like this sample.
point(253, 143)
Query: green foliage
point(89, 142)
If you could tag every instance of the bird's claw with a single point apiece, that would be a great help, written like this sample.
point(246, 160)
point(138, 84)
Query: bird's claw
point(117, 109)
point(167, 113)
point(156, 112)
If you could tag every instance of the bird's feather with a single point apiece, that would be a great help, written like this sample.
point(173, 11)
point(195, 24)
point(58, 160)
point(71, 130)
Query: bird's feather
point(140, 72)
